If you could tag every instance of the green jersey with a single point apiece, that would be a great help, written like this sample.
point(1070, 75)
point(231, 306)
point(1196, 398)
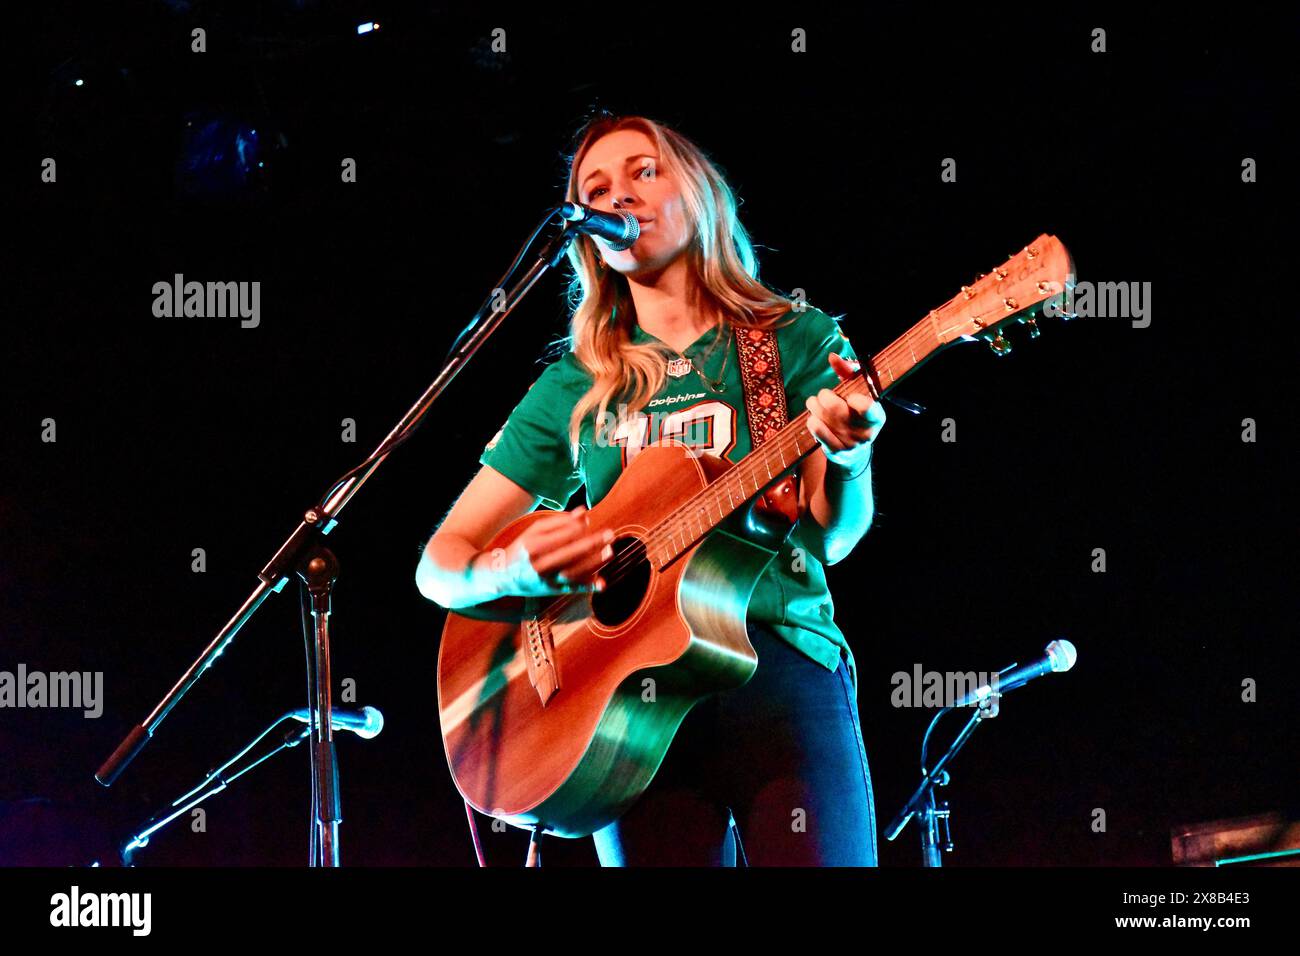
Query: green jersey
point(532, 449)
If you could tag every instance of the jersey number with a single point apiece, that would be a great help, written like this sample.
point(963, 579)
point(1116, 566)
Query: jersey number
point(708, 428)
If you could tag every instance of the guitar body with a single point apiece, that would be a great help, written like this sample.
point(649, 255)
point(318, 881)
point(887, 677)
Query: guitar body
point(630, 662)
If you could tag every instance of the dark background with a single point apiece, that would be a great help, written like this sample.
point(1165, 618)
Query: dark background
point(182, 433)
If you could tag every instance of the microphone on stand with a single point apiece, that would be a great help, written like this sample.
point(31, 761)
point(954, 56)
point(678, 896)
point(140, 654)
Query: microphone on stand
point(619, 229)
point(365, 723)
point(1058, 656)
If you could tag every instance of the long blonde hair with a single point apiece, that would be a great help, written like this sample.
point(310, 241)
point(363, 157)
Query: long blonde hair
point(721, 262)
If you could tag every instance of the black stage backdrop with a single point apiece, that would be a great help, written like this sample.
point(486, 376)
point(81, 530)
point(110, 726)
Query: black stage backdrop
point(177, 434)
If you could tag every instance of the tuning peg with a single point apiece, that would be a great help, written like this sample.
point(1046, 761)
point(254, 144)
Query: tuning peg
point(1032, 322)
point(1000, 345)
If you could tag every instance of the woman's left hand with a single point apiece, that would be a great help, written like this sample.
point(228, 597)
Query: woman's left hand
point(845, 428)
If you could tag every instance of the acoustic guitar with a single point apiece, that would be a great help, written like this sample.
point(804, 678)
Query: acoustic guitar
point(557, 712)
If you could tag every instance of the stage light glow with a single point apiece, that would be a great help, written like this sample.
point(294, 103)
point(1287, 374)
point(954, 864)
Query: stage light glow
point(79, 83)
point(219, 155)
point(367, 28)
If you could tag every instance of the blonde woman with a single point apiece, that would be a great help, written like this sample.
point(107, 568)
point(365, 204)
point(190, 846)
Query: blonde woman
point(778, 763)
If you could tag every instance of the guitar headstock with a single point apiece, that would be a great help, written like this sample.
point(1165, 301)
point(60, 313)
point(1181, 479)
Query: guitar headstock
point(1038, 281)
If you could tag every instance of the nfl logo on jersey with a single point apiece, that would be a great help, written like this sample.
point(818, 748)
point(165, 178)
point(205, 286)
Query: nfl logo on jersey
point(679, 367)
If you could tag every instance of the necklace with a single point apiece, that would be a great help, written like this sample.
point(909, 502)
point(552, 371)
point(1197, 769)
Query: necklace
point(716, 387)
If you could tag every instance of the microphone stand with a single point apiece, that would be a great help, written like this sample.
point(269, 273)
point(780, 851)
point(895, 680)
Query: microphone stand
point(1060, 656)
point(214, 783)
point(934, 815)
point(318, 577)
point(304, 550)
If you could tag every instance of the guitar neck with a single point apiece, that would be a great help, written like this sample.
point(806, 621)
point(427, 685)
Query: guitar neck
point(1042, 271)
point(715, 502)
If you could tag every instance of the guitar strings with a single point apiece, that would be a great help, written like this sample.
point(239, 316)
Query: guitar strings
point(677, 522)
point(627, 557)
point(901, 350)
point(620, 565)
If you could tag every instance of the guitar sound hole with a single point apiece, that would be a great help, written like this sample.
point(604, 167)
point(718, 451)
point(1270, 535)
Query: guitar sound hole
point(627, 576)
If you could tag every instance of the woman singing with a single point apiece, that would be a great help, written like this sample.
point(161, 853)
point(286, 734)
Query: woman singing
point(778, 762)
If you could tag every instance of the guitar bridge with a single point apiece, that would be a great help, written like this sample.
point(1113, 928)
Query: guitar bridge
point(542, 673)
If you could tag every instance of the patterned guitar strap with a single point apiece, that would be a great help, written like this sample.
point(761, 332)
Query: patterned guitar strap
point(765, 409)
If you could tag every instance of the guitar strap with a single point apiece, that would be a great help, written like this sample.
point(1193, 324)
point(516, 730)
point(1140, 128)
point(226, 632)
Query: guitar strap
point(765, 410)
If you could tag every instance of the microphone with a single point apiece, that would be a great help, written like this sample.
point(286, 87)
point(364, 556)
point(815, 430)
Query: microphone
point(365, 723)
point(1059, 656)
point(619, 229)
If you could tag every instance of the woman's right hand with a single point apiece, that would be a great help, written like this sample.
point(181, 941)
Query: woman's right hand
point(554, 555)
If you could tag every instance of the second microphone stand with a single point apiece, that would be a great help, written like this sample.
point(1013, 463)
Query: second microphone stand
point(932, 814)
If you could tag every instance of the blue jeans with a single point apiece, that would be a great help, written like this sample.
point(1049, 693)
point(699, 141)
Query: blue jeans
point(782, 755)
